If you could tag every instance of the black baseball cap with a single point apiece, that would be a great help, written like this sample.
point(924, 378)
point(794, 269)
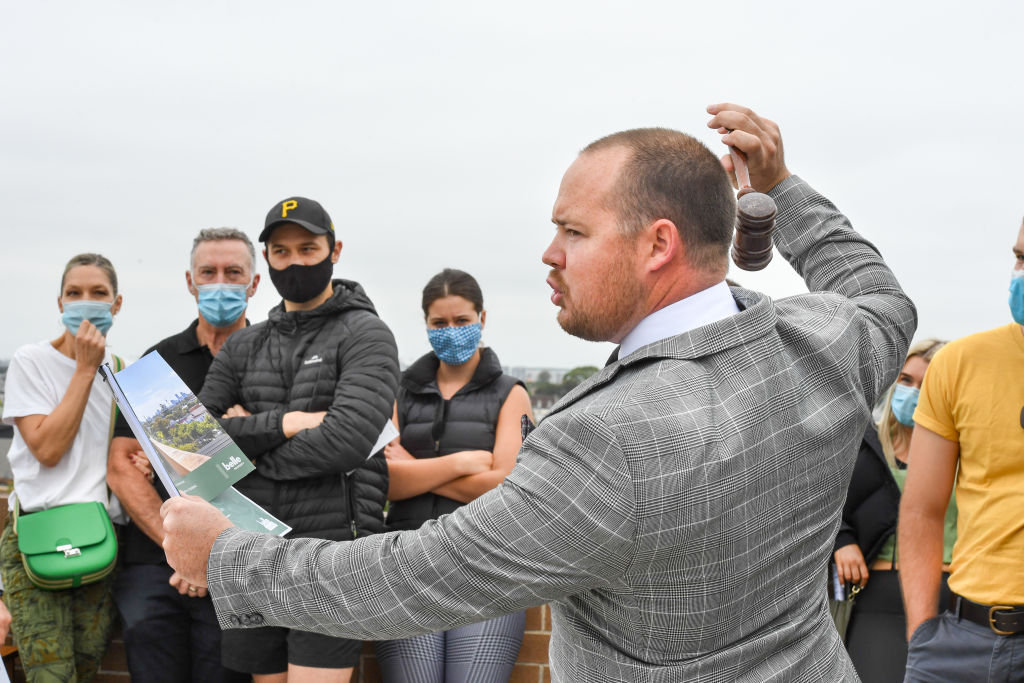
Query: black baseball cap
point(300, 211)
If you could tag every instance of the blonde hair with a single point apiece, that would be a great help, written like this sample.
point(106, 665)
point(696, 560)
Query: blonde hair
point(891, 433)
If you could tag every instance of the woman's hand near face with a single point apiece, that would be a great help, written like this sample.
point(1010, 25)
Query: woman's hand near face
point(851, 565)
point(90, 346)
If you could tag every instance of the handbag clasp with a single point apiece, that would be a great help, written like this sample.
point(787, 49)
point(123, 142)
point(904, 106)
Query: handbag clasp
point(69, 551)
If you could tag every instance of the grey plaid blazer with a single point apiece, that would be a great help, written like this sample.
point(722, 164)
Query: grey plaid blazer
point(678, 508)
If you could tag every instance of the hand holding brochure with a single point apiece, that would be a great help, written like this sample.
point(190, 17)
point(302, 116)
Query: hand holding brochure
point(186, 446)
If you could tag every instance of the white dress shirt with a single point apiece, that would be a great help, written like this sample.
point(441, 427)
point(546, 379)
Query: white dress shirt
point(703, 308)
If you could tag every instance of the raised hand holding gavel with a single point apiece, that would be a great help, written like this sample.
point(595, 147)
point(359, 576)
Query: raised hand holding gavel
point(756, 158)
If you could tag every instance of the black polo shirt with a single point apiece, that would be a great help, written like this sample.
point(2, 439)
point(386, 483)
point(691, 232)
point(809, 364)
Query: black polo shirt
point(191, 361)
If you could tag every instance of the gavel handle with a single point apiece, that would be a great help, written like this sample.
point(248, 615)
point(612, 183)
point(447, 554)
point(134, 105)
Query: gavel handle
point(739, 164)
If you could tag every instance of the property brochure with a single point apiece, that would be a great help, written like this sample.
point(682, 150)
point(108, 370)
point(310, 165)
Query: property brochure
point(186, 446)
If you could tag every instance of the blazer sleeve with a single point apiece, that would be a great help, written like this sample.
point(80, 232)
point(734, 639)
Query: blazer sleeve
point(254, 434)
point(363, 400)
point(563, 521)
point(820, 244)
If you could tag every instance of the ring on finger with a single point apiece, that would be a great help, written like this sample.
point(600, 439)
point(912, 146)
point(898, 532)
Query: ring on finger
point(192, 589)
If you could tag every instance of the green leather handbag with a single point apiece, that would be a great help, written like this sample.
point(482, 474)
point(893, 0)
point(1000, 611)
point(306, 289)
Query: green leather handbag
point(67, 546)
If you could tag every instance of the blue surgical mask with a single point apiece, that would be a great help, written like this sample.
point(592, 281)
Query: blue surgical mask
point(904, 402)
point(96, 312)
point(455, 345)
point(222, 304)
point(1017, 296)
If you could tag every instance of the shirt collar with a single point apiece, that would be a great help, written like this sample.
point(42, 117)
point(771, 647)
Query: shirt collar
point(703, 308)
point(187, 340)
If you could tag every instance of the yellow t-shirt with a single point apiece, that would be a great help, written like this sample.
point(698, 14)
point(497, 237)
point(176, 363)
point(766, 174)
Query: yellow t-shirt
point(973, 394)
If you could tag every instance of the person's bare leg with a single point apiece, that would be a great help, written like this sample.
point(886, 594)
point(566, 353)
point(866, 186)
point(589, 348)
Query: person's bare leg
point(270, 678)
point(312, 674)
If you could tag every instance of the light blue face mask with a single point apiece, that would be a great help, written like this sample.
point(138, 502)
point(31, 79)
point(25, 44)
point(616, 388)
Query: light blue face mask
point(904, 403)
point(1017, 296)
point(221, 304)
point(96, 312)
point(455, 345)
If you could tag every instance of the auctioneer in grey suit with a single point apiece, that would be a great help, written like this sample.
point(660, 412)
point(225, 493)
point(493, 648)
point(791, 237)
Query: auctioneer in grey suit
point(678, 507)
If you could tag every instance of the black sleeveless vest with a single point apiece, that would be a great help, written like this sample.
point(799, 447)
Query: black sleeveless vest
point(431, 426)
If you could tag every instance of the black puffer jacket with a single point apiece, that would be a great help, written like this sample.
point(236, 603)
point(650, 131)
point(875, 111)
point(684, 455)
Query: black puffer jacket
point(872, 501)
point(432, 426)
point(339, 357)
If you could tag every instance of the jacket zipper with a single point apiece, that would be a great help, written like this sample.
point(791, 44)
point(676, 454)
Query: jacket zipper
point(351, 505)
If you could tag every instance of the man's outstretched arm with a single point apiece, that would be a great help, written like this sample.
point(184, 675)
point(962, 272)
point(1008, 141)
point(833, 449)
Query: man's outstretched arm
point(563, 521)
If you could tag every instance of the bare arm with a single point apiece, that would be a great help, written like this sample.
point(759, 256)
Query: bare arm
point(133, 488)
point(409, 476)
point(508, 440)
point(49, 437)
point(930, 474)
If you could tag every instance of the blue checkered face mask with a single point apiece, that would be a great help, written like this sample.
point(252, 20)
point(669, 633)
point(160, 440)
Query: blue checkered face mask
point(904, 402)
point(455, 345)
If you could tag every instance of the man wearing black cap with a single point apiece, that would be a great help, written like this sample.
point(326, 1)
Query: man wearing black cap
point(305, 395)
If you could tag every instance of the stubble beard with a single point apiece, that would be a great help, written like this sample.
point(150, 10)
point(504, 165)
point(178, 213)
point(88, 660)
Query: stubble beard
point(602, 315)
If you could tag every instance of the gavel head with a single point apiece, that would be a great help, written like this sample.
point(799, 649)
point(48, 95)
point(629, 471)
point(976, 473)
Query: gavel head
point(755, 222)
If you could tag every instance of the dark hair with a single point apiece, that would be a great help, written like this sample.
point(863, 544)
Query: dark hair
point(452, 282)
point(98, 260)
point(674, 176)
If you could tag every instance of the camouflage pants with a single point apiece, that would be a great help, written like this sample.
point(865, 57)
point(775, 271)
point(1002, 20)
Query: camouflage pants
point(61, 635)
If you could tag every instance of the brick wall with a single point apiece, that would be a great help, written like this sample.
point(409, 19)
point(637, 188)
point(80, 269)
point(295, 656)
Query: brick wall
point(531, 667)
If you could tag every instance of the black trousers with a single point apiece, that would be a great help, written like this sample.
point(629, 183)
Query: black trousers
point(168, 637)
point(876, 637)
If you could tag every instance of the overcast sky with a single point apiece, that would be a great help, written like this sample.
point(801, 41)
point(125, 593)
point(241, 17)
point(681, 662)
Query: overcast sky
point(435, 134)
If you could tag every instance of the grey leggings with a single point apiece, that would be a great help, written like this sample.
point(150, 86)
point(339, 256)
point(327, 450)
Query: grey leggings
point(483, 652)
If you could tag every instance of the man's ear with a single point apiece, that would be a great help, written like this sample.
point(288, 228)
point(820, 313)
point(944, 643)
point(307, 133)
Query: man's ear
point(662, 244)
point(251, 291)
point(191, 286)
point(336, 252)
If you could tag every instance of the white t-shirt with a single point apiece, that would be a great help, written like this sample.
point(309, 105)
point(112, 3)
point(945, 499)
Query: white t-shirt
point(37, 379)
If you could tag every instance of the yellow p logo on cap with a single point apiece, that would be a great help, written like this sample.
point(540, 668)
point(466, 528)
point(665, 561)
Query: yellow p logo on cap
point(288, 206)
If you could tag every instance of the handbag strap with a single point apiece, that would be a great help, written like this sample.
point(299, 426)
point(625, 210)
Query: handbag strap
point(118, 367)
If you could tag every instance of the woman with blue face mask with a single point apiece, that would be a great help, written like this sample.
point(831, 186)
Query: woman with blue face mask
point(876, 633)
point(62, 416)
point(459, 418)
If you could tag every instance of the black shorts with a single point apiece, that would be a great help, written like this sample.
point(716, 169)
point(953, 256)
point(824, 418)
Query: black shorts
point(270, 649)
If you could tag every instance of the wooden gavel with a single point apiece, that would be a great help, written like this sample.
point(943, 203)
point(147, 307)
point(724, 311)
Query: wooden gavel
point(755, 220)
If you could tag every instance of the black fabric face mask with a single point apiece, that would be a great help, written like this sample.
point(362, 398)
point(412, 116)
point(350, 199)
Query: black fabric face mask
point(298, 283)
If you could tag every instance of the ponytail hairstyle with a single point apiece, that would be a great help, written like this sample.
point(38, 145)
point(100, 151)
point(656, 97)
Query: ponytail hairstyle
point(452, 282)
point(98, 260)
